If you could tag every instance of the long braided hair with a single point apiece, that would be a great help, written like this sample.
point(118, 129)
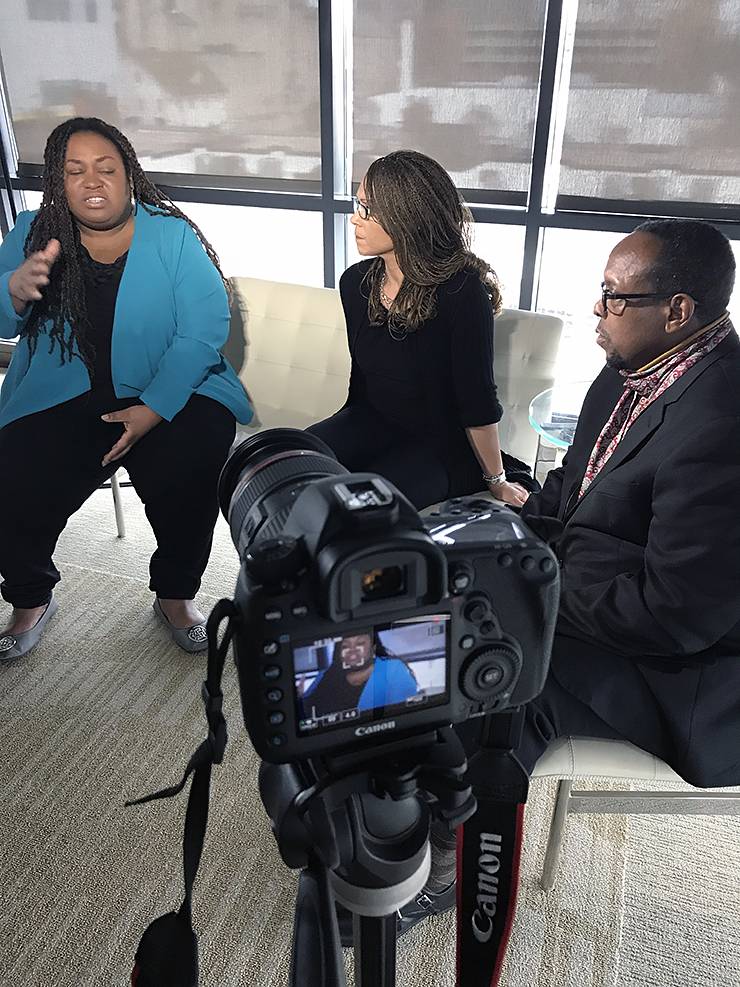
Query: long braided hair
point(64, 298)
point(416, 202)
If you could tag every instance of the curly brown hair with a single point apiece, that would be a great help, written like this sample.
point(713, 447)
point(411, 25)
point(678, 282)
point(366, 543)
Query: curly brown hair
point(64, 300)
point(416, 202)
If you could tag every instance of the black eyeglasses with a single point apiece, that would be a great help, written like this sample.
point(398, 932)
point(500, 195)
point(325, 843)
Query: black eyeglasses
point(615, 302)
point(361, 209)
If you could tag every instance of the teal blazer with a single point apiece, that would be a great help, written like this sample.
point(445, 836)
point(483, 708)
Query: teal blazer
point(171, 319)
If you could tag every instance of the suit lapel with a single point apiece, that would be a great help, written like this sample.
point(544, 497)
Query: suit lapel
point(641, 430)
point(647, 423)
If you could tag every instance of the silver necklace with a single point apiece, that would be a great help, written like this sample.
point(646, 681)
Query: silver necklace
point(396, 330)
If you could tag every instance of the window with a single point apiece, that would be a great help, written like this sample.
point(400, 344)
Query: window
point(652, 106)
point(48, 10)
point(571, 271)
point(456, 81)
point(232, 95)
point(501, 246)
point(276, 244)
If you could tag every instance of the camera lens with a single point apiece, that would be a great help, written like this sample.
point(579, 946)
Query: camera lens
point(262, 478)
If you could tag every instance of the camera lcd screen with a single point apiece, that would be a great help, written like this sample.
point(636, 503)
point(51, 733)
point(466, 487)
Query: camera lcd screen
point(372, 673)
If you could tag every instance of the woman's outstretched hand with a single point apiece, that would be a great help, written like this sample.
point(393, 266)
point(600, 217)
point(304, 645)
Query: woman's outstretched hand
point(27, 281)
point(513, 494)
point(136, 421)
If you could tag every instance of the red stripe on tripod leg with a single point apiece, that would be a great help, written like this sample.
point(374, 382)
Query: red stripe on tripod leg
point(458, 900)
point(511, 909)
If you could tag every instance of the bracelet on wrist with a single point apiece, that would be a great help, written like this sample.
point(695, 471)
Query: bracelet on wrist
point(495, 479)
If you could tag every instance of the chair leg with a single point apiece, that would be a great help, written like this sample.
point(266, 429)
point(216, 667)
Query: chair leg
point(117, 506)
point(557, 834)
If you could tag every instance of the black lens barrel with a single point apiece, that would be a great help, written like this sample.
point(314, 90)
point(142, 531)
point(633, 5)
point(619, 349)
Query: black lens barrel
point(262, 466)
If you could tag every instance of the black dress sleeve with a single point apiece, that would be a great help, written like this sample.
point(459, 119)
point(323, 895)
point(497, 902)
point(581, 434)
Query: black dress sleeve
point(355, 308)
point(467, 308)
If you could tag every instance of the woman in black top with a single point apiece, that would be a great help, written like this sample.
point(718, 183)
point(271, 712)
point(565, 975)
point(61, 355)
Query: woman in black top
point(422, 406)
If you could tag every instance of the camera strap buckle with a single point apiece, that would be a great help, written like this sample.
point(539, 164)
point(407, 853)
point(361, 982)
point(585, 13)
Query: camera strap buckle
point(217, 735)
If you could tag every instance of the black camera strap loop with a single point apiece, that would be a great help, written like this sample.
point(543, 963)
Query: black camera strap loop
point(167, 955)
point(488, 853)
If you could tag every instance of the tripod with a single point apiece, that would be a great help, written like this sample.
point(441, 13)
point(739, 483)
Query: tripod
point(358, 828)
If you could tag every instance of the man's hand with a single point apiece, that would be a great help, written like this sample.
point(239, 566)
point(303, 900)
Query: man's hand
point(137, 421)
point(26, 282)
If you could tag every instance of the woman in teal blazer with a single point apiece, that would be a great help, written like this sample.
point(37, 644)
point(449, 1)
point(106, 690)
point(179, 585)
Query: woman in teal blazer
point(121, 309)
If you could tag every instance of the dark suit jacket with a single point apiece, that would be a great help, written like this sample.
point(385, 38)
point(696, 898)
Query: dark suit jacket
point(649, 627)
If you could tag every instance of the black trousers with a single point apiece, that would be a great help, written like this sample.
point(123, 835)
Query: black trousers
point(50, 463)
point(363, 442)
point(554, 713)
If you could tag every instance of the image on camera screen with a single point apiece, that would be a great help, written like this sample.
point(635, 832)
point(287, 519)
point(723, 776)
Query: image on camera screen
point(371, 673)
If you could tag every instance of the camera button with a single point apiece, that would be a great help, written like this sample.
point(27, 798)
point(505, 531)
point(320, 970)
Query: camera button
point(467, 641)
point(277, 739)
point(505, 560)
point(274, 695)
point(460, 578)
point(475, 611)
point(547, 565)
point(527, 563)
point(270, 647)
point(489, 676)
point(271, 672)
point(276, 718)
point(299, 610)
point(274, 613)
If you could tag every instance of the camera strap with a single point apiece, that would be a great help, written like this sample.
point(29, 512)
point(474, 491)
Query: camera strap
point(167, 955)
point(488, 852)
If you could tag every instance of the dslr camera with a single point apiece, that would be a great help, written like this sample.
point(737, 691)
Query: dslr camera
point(359, 620)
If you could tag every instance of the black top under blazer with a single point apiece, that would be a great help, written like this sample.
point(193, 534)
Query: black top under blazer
point(453, 352)
point(649, 627)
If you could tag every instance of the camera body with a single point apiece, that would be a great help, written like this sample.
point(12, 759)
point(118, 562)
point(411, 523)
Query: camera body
point(361, 622)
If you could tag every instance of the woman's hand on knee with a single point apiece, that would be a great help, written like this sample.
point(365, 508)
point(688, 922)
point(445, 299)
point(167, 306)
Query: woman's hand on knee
point(136, 421)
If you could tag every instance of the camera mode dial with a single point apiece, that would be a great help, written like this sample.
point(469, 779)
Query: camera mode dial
point(491, 671)
point(274, 559)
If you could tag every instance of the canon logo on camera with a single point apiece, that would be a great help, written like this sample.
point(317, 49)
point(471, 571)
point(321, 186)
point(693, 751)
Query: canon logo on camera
point(375, 728)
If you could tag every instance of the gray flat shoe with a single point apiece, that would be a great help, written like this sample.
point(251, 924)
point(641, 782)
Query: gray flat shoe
point(192, 639)
point(15, 645)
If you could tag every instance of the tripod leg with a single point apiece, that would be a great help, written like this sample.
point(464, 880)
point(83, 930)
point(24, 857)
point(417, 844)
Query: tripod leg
point(375, 951)
point(316, 960)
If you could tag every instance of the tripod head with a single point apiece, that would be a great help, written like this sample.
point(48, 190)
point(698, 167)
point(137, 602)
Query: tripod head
point(358, 827)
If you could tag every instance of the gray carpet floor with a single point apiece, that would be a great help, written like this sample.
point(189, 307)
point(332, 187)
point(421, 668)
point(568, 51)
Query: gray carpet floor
point(107, 708)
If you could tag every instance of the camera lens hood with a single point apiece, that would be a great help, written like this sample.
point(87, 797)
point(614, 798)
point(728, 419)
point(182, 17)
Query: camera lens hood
point(261, 448)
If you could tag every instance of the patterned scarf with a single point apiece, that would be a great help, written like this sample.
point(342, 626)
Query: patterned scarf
point(642, 387)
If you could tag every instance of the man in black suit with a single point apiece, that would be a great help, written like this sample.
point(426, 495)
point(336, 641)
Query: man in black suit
point(647, 647)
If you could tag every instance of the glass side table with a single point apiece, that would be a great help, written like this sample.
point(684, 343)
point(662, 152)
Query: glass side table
point(553, 414)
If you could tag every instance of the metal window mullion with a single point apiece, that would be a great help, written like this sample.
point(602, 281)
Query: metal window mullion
point(8, 153)
point(342, 102)
point(548, 72)
point(326, 113)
